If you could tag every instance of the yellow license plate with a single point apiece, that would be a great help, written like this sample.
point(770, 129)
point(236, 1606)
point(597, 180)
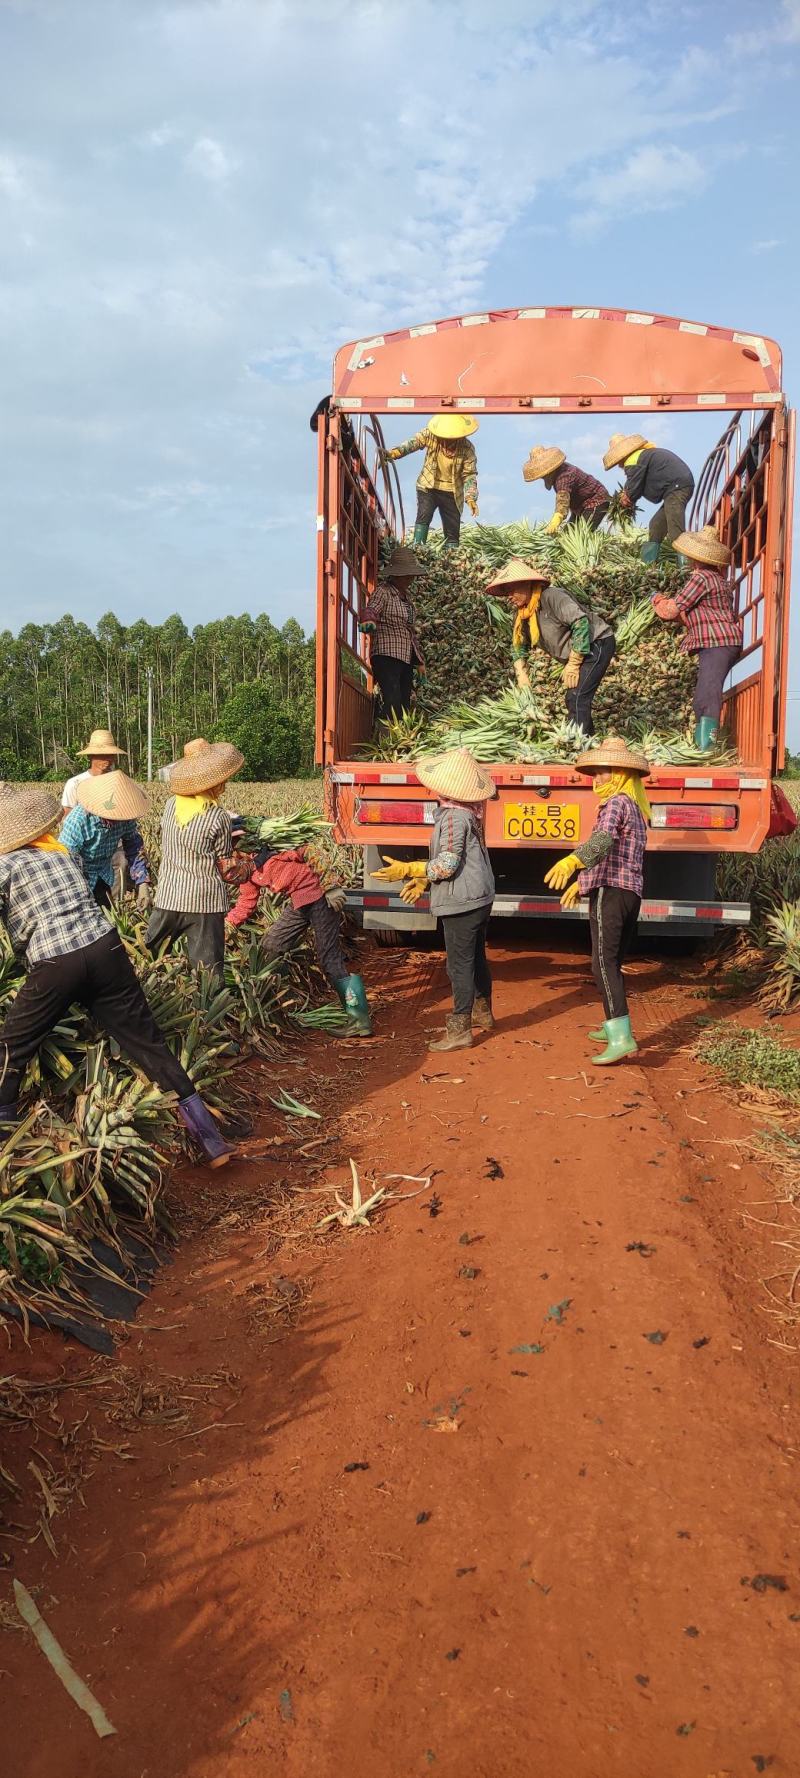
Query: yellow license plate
point(542, 821)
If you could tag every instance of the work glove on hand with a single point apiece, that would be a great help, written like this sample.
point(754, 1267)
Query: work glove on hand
point(336, 897)
point(144, 896)
point(555, 524)
point(665, 608)
point(522, 676)
point(368, 629)
point(572, 671)
point(571, 896)
point(472, 502)
point(558, 876)
point(395, 870)
point(412, 889)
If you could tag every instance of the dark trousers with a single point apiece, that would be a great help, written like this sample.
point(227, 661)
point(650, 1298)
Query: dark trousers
point(594, 517)
point(713, 667)
point(102, 894)
point(431, 500)
point(613, 914)
point(204, 935)
point(595, 666)
point(670, 519)
point(326, 924)
point(467, 967)
point(101, 978)
point(395, 680)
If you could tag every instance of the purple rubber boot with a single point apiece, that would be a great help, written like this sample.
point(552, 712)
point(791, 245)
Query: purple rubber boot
point(200, 1124)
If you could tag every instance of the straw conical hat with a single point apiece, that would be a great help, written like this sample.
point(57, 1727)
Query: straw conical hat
point(704, 546)
point(620, 446)
point(403, 564)
point(26, 814)
point(193, 747)
point(115, 797)
point(543, 460)
point(452, 425)
point(101, 741)
point(518, 570)
point(213, 764)
point(613, 755)
point(455, 775)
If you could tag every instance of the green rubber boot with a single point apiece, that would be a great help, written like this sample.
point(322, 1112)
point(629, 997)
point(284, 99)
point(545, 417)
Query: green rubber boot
point(650, 551)
point(705, 733)
point(421, 533)
point(621, 1042)
point(600, 1035)
point(353, 996)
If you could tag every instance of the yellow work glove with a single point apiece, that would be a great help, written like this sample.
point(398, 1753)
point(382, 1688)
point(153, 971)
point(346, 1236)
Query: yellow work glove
point(412, 889)
point(558, 876)
point(572, 671)
point(555, 524)
point(571, 896)
point(522, 676)
point(396, 870)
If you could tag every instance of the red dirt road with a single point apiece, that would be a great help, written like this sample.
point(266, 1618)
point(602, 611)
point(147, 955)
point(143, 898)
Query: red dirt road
point(569, 1546)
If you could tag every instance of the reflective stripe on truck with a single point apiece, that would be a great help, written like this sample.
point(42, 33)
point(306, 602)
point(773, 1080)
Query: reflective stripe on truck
point(719, 913)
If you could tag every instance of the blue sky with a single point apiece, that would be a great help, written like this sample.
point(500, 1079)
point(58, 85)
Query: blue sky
point(200, 201)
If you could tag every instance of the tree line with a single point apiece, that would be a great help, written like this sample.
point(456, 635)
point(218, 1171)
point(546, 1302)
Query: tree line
point(240, 678)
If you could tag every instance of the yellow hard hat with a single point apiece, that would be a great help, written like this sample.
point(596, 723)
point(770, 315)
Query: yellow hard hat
point(452, 425)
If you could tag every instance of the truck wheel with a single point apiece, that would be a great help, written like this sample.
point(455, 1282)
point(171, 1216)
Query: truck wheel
point(387, 938)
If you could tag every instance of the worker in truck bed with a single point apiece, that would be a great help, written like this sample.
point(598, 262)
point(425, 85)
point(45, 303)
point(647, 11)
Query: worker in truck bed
point(579, 495)
point(712, 631)
point(658, 476)
point(391, 623)
point(449, 474)
point(289, 873)
point(549, 617)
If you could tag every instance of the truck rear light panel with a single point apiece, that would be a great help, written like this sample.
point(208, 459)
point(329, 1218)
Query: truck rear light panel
point(695, 815)
point(395, 814)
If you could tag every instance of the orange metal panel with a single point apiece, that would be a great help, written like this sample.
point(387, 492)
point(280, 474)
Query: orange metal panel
point(548, 358)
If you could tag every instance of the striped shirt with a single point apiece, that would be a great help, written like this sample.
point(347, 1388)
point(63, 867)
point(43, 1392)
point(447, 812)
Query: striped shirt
point(454, 471)
point(706, 606)
point(96, 841)
point(46, 905)
point(613, 855)
point(395, 621)
point(189, 881)
point(577, 491)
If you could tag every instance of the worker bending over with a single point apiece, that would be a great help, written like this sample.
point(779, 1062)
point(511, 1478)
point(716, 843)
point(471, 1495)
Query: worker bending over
point(104, 820)
point(550, 618)
point(290, 874)
point(653, 474)
point(579, 495)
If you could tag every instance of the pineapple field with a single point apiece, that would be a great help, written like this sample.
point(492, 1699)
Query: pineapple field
point(467, 697)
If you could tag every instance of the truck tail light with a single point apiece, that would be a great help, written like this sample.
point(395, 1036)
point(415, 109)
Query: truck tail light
point(694, 815)
point(374, 814)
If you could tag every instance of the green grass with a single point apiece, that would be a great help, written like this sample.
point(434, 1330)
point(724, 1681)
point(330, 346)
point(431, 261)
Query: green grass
point(749, 1058)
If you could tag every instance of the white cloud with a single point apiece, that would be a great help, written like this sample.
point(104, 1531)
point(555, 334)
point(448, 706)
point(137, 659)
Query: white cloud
point(652, 178)
point(766, 246)
point(213, 162)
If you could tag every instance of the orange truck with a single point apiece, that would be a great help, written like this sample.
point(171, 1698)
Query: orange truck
point(534, 363)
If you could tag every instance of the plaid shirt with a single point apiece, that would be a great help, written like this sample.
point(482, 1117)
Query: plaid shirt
point(96, 840)
point(577, 491)
point(46, 905)
point(706, 605)
point(456, 471)
point(619, 865)
point(395, 621)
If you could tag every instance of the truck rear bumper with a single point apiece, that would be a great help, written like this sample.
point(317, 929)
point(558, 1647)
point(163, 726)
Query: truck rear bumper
point(696, 916)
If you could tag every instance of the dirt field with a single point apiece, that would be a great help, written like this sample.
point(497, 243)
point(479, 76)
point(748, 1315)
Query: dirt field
point(503, 1488)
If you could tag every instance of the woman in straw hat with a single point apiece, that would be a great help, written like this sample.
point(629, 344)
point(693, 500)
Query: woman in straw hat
point(449, 474)
point(197, 861)
point(712, 631)
point(72, 954)
point(391, 624)
point(549, 617)
point(611, 865)
point(653, 474)
point(290, 874)
point(579, 495)
point(461, 881)
point(105, 818)
point(103, 754)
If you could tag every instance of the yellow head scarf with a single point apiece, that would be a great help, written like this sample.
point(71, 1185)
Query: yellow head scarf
point(625, 784)
point(186, 807)
point(528, 616)
point(47, 842)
